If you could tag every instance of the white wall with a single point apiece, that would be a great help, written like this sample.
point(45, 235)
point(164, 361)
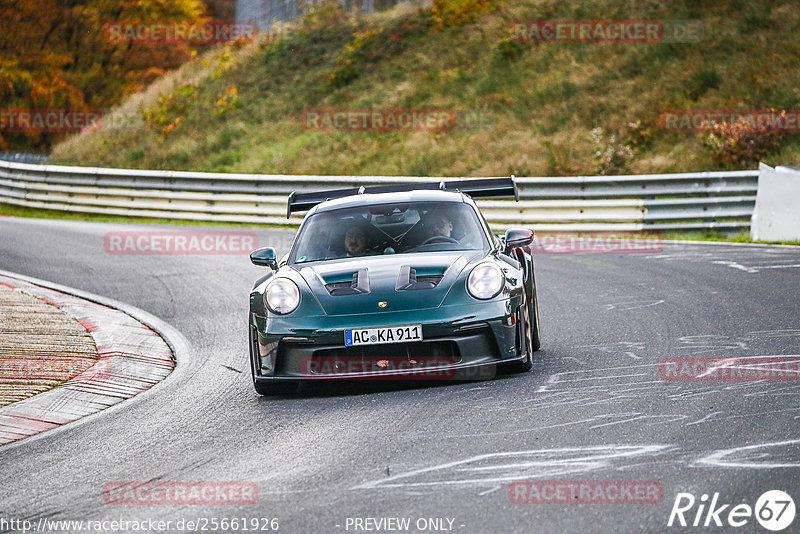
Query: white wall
point(777, 212)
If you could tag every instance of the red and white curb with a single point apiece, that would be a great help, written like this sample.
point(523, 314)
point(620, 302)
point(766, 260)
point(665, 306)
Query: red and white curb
point(132, 359)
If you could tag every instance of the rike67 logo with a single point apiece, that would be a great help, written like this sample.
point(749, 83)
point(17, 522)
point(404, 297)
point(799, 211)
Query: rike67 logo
point(774, 510)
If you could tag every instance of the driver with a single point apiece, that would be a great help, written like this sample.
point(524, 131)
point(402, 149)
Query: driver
point(439, 225)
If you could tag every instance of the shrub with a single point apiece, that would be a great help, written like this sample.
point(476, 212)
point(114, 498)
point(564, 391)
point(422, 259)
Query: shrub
point(451, 13)
point(508, 49)
point(702, 81)
point(739, 144)
point(611, 157)
point(228, 101)
point(170, 107)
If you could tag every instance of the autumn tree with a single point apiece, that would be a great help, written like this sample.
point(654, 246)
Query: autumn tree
point(54, 55)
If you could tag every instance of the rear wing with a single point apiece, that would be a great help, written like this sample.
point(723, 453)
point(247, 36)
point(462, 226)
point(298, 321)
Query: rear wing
point(476, 187)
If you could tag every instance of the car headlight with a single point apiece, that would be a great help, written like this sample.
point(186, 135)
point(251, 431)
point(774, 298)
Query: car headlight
point(485, 281)
point(282, 296)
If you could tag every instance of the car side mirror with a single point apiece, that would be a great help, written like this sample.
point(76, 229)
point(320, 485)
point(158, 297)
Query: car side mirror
point(264, 257)
point(518, 237)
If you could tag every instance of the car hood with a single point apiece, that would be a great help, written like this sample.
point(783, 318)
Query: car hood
point(402, 282)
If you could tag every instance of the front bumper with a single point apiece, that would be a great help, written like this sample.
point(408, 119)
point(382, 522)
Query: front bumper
point(463, 343)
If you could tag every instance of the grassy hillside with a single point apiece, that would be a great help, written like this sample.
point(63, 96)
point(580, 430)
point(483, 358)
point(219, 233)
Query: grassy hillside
point(522, 108)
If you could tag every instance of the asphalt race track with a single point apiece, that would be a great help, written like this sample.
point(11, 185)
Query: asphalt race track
point(594, 408)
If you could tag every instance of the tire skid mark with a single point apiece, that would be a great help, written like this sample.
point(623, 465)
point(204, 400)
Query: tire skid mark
point(755, 456)
point(503, 467)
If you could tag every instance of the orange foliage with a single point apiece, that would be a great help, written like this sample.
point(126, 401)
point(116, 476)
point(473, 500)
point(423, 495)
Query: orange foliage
point(54, 55)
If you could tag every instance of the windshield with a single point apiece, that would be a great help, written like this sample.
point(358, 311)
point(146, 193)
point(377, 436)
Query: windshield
point(389, 229)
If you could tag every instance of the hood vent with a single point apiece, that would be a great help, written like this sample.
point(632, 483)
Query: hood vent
point(408, 280)
point(357, 286)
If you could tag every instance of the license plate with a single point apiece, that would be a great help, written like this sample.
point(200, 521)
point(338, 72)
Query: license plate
point(376, 336)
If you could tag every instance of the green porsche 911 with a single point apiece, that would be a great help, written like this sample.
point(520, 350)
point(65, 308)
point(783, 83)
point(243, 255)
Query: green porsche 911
point(394, 282)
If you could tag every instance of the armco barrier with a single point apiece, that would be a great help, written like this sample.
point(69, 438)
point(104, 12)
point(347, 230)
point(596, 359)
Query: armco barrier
point(654, 202)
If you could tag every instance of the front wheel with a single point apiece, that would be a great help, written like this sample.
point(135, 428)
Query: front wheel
point(529, 314)
point(536, 340)
point(526, 344)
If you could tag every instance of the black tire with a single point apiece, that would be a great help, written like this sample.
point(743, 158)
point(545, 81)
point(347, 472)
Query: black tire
point(530, 316)
point(526, 343)
point(534, 320)
point(275, 388)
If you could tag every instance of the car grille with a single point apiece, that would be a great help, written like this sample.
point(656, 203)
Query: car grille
point(305, 358)
point(445, 350)
point(379, 358)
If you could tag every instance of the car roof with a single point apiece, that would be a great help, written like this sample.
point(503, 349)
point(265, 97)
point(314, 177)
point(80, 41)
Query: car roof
point(369, 199)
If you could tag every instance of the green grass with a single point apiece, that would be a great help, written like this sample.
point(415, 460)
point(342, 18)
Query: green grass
point(743, 237)
point(538, 102)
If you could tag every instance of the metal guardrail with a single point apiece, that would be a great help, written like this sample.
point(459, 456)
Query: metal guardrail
point(23, 157)
point(654, 202)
